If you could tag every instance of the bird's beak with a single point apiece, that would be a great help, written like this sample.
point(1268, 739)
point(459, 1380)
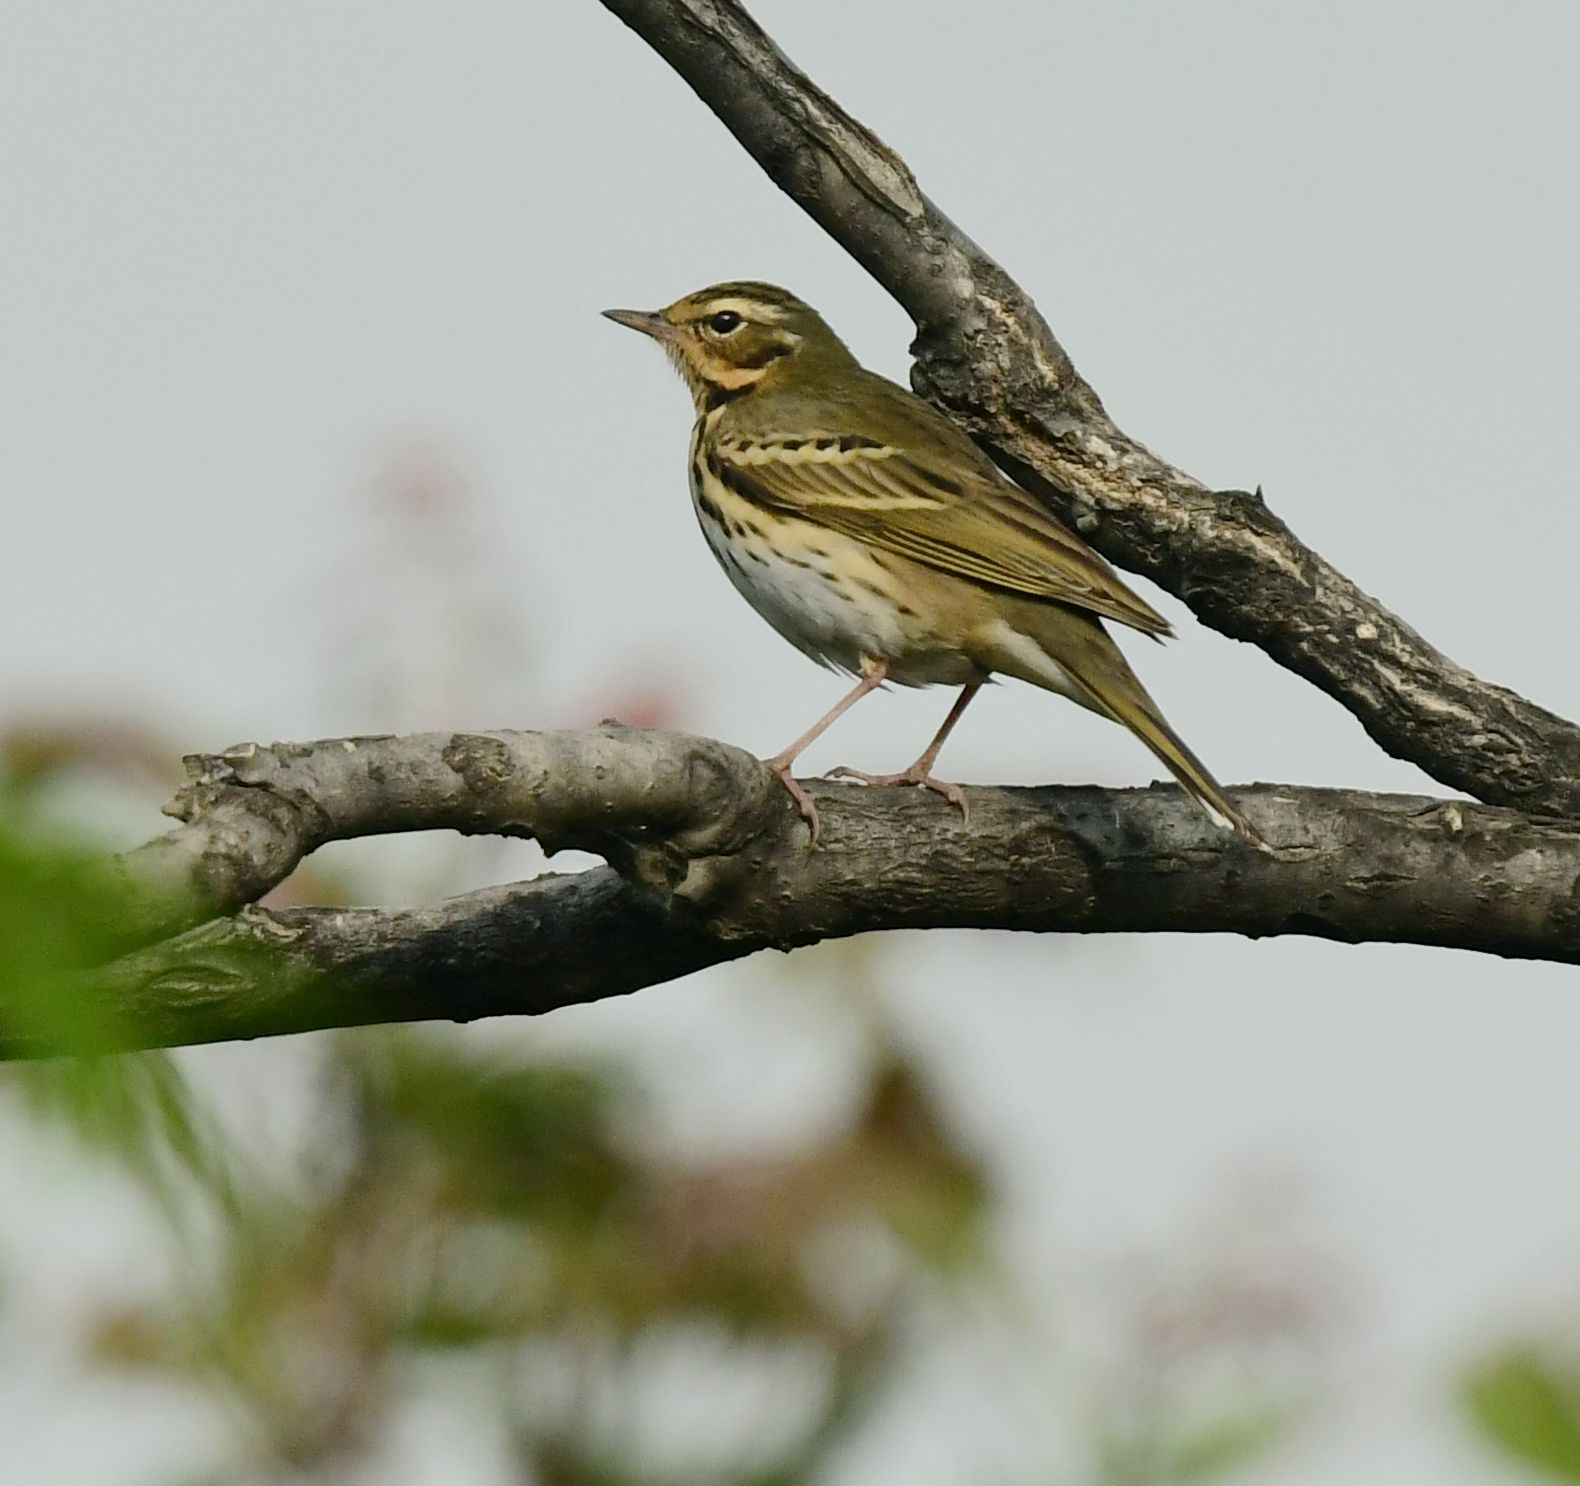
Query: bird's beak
point(649, 322)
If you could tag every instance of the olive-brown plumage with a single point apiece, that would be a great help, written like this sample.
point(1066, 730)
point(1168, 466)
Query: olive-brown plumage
point(879, 540)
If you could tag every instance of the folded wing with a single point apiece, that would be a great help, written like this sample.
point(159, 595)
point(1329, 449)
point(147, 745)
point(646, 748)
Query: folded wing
point(974, 526)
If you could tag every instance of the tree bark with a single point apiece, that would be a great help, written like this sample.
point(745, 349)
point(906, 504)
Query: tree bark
point(712, 862)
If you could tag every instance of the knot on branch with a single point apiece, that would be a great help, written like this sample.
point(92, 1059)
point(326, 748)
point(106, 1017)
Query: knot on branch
point(681, 816)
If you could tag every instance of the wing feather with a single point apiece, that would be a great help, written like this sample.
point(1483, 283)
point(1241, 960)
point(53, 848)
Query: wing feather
point(964, 522)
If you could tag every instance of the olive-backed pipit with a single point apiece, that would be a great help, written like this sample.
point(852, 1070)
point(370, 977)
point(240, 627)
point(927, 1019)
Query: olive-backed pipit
point(879, 540)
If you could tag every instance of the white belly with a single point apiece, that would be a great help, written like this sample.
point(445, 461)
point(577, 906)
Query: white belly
point(805, 583)
point(831, 597)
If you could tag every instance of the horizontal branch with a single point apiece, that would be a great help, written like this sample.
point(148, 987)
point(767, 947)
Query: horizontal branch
point(253, 813)
point(710, 862)
point(985, 354)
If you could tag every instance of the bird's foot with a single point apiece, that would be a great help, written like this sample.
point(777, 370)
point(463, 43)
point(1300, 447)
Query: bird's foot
point(912, 776)
point(803, 801)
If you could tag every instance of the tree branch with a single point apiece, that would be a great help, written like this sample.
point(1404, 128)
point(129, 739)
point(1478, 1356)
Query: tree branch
point(711, 862)
point(986, 356)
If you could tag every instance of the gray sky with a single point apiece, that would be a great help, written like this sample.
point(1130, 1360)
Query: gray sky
point(1328, 248)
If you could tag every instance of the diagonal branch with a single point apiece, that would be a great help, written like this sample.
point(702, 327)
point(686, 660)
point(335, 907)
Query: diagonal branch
point(710, 862)
point(986, 356)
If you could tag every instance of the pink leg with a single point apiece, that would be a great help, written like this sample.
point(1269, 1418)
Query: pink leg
point(921, 772)
point(872, 674)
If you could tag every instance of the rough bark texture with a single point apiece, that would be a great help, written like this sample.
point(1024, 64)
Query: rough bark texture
point(988, 358)
point(711, 862)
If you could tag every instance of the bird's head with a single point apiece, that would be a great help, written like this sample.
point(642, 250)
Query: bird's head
point(735, 338)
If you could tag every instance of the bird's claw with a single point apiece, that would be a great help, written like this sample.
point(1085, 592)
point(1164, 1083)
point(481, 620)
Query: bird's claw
point(951, 792)
point(803, 801)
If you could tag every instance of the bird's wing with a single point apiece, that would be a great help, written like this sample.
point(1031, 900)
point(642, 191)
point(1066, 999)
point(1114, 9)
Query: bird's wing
point(957, 520)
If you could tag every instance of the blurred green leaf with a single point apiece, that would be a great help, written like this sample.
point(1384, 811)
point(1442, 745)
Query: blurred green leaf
point(932, 1194)
point(137, 1109)
point(54, 909)
point(1531, 1408)
point(522, 1140)
point(1212, 1447)
point(56, 912)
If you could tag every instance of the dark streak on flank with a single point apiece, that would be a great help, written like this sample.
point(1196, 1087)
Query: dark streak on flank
point(734, 479)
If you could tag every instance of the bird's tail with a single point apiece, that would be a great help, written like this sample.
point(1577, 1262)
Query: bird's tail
point(1139, 713)
point(1099, 676)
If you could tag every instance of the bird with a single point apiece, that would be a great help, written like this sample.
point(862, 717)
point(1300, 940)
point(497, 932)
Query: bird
point(877, 538)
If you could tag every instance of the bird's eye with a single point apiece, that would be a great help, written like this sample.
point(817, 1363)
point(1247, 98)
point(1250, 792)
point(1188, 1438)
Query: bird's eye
point(724, 322)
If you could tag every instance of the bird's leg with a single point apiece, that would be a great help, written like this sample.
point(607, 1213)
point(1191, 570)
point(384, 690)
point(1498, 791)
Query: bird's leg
point(872, 674)
point(921, 772)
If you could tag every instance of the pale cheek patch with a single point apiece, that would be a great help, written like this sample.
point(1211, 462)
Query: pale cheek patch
point(721, 374)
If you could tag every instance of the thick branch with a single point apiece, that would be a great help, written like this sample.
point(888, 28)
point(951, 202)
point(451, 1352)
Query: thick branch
point(253, 813)
point(713, 863)
point(985, 355)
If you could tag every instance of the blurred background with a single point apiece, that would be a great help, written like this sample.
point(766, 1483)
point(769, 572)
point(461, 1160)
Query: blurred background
point(310, 427)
